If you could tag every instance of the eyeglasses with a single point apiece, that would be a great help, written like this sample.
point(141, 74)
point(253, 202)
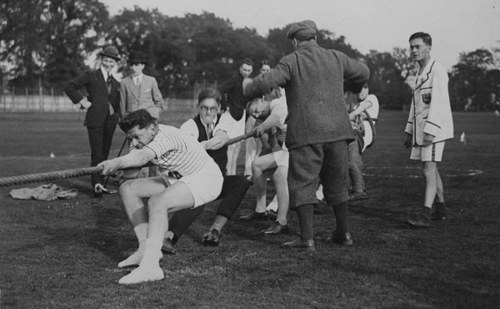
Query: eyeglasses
point(211, 109)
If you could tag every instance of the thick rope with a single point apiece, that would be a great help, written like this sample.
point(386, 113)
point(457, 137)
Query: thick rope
point(78, 172)
point(57, 175)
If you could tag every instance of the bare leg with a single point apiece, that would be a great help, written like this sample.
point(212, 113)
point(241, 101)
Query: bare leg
point(132, 193)
point(431, 182)
point(281, 184)
point(440, 188)
point(259, 165)
point(174, 198)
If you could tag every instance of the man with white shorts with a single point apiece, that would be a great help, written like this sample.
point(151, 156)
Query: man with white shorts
point(189, 178)
point(272, 114)
point(429, 124)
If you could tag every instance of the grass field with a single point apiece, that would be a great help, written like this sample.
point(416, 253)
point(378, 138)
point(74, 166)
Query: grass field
point(63, 254)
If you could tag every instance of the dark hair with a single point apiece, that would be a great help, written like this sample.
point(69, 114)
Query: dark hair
point(209, 93)
point(265, 62)
point(247, 61)
point(141, 118)
point(422, 35)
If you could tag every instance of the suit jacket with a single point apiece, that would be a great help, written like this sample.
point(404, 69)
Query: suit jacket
point(97, 94)
point(430, 110)
point(146, 95)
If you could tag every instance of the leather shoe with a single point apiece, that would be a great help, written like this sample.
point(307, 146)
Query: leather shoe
point(307, 245)
point(420, 221)
point(276, 228)
point(167, 246)
point(211, 238)
point(255, 216)
point(344, 240)
point(358, 195)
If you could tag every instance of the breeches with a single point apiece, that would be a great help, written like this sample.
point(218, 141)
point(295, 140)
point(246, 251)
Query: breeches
point(325, 162)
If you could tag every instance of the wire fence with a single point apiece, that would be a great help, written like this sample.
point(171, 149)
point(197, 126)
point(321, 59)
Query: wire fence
point(17, 99)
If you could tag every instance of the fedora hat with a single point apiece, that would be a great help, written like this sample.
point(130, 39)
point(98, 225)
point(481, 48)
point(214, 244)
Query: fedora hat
point(111, 52)
point(137, 57)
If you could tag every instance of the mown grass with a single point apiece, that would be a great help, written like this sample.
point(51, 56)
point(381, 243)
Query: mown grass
point(63, 254)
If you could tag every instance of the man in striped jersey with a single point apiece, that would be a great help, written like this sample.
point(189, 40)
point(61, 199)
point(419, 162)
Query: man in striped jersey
point(199, 181)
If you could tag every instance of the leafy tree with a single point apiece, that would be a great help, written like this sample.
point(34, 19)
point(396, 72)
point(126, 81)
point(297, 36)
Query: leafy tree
point(386, 80)
point(48, 39)
point(20, 34)
point(473, 80)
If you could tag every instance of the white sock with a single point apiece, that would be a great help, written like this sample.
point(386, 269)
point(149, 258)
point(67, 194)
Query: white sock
point(135, 258)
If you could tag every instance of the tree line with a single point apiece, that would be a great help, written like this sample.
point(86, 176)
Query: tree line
point(49, 41)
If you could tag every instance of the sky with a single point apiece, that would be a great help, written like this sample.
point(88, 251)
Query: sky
point(456, 26)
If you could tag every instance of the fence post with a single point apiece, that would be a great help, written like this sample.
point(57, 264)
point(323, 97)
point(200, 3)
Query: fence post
point(12, 98)
point(40, 94)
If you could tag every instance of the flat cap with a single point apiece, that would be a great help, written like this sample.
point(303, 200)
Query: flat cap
point(302, 30)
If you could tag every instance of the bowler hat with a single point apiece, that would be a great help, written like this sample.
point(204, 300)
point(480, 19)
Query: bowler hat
point(302, 30)
point(137, 57)
point(111, 52)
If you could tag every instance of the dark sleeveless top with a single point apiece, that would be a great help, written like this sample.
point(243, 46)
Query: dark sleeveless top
point(219, 155)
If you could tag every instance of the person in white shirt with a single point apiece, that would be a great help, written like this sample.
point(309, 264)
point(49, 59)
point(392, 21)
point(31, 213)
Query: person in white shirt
point(271, 117)
point(210, 129)
point(198, 180)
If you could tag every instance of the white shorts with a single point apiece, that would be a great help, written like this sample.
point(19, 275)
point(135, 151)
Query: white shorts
point(432, 153)
point(281, 157)
point(205, 185)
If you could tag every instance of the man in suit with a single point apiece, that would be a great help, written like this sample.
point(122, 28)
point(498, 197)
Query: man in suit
point(140, 91)
point(102, 105)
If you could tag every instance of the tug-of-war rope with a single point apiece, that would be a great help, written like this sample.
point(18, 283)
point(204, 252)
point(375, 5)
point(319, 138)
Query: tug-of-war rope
point(78, 172)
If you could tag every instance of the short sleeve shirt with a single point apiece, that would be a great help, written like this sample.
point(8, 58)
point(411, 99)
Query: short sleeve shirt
point(177, 151)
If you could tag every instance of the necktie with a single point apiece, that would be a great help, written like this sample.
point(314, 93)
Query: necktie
point(108, 84)
point(209, 131)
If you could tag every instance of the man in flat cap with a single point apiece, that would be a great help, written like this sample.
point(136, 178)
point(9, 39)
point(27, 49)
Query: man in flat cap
point(318, 130)
point(103, 109)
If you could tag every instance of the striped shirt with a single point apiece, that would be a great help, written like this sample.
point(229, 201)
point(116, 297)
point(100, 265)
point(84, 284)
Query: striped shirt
point(177, 151)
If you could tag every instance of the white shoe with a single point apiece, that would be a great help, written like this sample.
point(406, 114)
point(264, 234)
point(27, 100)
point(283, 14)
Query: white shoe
point(143, 274)
point(132, 260)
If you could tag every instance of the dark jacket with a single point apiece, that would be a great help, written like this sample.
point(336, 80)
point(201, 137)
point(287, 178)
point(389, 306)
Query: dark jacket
point(232, 92)
point(97, 94)
point(313, 79)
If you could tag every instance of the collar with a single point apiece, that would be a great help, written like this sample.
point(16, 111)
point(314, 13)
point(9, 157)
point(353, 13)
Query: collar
point(307, 44)
point(138, 77)
point(105, 73)
point(428, 66)
point(213, 122)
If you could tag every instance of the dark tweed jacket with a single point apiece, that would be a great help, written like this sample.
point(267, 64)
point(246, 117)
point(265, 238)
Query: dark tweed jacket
point(313, 79)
